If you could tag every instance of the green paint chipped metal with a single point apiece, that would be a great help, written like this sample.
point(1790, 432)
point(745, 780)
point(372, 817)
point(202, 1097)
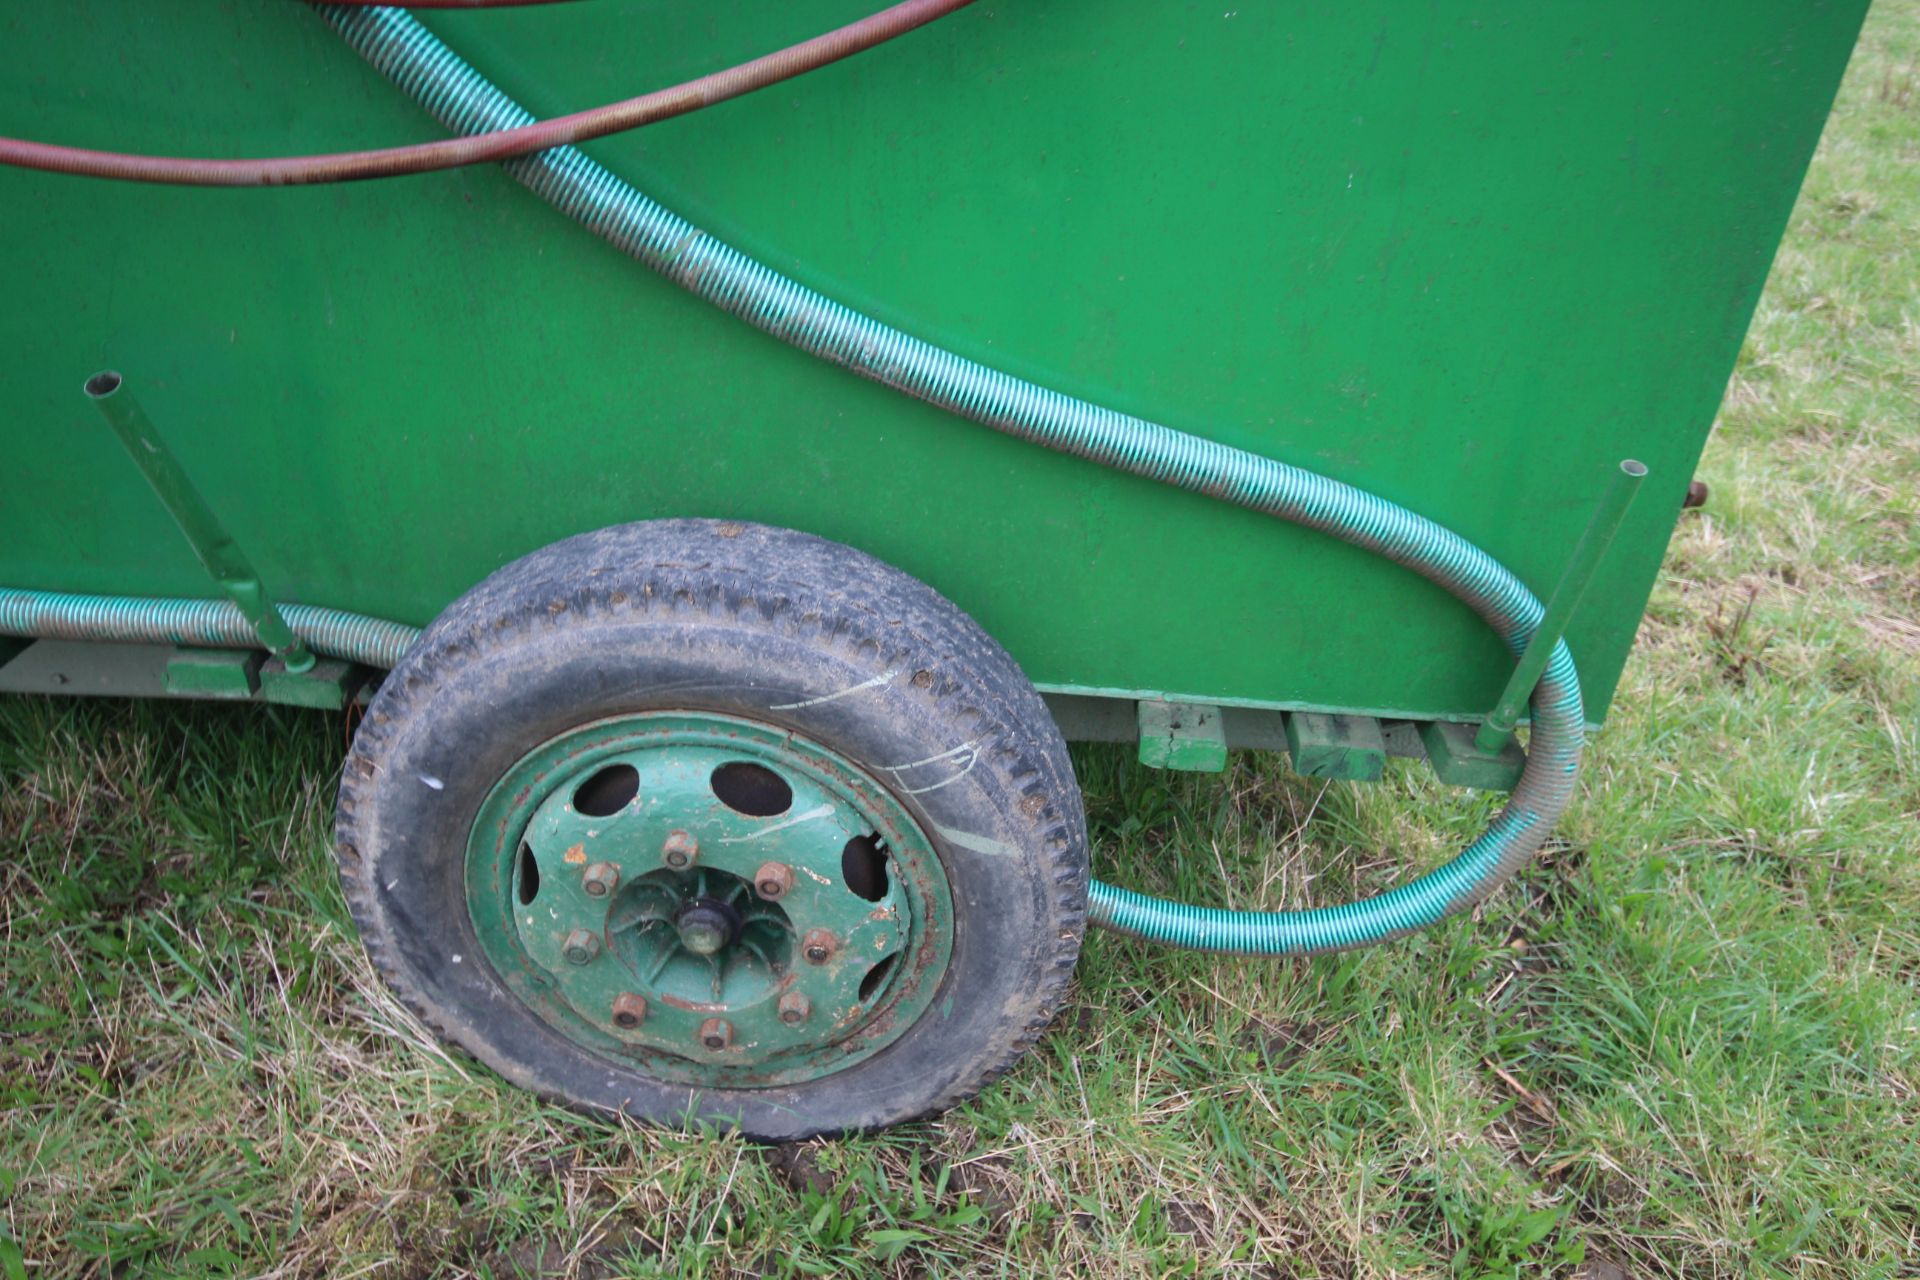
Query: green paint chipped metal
point(763, 911)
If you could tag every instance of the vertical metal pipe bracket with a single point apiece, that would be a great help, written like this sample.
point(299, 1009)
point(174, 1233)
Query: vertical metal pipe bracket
point(1594, 544)
point(211, 542)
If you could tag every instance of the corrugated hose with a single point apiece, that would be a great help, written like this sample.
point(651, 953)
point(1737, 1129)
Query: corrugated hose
point(465, 102)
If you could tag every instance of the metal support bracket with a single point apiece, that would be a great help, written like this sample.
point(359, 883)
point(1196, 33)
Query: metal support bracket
point(211, 542)
point(1498, 729)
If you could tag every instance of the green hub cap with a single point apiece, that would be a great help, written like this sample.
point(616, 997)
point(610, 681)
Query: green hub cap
point(724, 902)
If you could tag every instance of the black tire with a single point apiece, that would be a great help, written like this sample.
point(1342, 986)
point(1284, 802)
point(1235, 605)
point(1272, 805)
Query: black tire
point(730, 618)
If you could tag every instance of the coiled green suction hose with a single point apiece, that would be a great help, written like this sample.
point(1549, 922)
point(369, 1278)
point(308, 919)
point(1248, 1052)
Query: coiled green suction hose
point(218, 623)
point(460, 98)
point(464, 101)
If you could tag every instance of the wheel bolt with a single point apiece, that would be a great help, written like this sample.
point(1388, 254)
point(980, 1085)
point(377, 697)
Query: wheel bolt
point(680, 850)
point(581, 946)
point(629, 1010)
point(600, 879)
point(716, 1033)
point(819, 945)
point(794, 1008)
point(773, 880)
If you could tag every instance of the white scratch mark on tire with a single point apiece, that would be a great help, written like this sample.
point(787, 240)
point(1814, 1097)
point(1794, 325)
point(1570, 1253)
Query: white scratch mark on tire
point(977, 843)
point(948, 754)
point(970, 750)
point(874, 683)
point(818, 811)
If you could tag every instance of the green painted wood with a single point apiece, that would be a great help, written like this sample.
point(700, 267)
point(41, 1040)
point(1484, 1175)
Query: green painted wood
point(328, 684)
point(214, 673)
point(1458, 761)
point(1330, 746)
point(1182, 735)
point(1466, 257)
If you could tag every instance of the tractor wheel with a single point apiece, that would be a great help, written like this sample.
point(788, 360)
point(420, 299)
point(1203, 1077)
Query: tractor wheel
point(715, 822)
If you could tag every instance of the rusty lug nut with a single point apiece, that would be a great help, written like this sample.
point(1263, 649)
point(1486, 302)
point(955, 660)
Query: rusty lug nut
point(581, 946)
point(794, 1008)
point(680, 850)
point(819, 945)
point(773, 880)
point(629, 1010)
point(600, 879)
point(716, 1033)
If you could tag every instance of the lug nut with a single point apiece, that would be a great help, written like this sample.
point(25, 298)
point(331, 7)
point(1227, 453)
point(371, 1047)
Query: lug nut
point(600, 879)
point(794, 1008)
point(629, 1010)
point(716, 1033)
point(819, 945)
point(773, 880)
point(581, 946)
point(680, 850)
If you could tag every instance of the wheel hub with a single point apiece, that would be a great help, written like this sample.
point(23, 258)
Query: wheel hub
point(724, 900)
point(707, 926)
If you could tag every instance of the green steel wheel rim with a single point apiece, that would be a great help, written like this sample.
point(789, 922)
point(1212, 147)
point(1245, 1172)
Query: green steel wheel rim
point(721, 902)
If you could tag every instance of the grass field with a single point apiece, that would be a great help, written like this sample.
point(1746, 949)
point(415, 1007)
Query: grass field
point(1687, 1043)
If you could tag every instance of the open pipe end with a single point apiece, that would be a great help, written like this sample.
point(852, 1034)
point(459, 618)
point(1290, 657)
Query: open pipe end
point(1634, 468)
point(103, 384)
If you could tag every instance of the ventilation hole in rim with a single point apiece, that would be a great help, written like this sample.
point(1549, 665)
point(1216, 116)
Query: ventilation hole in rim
point(877, 976)
point(752, 789)
point(863, 867)
point(607, 792)
point(529, 876)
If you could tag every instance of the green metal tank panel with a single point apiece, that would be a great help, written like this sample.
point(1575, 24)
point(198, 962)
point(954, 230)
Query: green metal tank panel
point(1467, 259)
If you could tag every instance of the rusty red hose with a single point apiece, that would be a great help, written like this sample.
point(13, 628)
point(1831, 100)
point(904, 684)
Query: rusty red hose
point(507, 144)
